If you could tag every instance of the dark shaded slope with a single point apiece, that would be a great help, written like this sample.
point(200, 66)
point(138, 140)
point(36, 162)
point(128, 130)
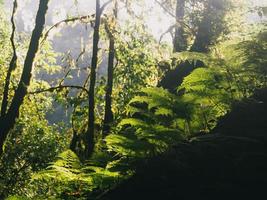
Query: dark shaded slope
point(229, 164)
point(247, 119)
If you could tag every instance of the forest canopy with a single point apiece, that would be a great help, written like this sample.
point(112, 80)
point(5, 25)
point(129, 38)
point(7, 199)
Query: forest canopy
point(91, 89)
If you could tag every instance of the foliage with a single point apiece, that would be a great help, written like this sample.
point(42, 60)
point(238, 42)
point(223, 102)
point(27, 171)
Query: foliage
point(34, 148)
point(248, 59)
point(203, 23)
point(158, 119)
point(204, 96)
point(68, 178)
point(31, 145)
point(151, 128)
point(149, 120)
point(136, 65)
point(33, 142)
point(4, 44)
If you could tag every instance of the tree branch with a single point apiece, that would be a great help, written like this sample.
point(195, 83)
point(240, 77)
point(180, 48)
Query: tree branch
point(104, 6)
point(60, 87)
point(65, 21)
point(170, 29)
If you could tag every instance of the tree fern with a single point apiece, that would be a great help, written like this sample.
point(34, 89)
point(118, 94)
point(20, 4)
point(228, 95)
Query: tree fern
point(150, 129)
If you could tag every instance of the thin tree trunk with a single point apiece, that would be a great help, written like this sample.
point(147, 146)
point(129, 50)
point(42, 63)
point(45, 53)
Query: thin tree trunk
point(90, 143)
point(108, 118)
point(179, 41)
point(13, 62)
point(74, 142)
point(7, 121)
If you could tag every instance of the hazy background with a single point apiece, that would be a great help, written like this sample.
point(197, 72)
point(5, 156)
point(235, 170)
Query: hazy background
point(60, 9)
point(73, 38)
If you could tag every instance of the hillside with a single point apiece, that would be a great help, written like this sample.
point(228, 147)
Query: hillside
point(230, 163)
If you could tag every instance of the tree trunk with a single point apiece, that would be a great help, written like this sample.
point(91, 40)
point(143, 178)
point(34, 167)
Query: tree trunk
point(13, 62)
point(203, 37)
point(7, 121)
point(108, 118)
point(108, 101)
point(90, 143)
point(179, 41)
point(204, 34)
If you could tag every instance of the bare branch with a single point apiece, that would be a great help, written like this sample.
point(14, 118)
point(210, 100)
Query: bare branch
point(72, 20)
point(60, 87)
point(165, 9)
point(170, 29)
point(66, 21)
point(104, 6)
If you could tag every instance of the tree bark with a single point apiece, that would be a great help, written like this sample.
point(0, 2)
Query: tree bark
point(7, 121)
point(179, 41)
point(204, 34)
point(90, 143)
point(108, 118)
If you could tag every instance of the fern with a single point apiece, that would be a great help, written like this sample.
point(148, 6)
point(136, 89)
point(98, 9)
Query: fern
point(163, 112)
point(158, 119)
point(67, 173)
point(194, 57)
point(128, 146)
point(17, 198)
point(149, 130)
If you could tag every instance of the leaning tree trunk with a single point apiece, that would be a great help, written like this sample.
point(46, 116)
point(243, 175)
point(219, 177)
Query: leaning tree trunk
point(7, 121)
point(108, 117)
point(90, 143)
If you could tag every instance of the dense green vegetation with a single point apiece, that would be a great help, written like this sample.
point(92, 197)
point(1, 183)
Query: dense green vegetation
point(154, 96)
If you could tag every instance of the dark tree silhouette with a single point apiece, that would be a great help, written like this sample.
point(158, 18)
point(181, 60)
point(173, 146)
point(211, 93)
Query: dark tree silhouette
point(108, 118)
point(7, 121)
point(179, 40)
point(91, 115)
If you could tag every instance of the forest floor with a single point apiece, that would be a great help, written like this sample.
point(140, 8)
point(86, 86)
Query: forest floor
point(229, 163)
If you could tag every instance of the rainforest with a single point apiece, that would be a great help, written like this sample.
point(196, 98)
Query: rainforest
point(133, 99)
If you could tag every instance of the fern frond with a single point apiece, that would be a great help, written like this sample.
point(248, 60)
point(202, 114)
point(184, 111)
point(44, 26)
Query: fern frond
point(127, 145)
point(133, 122)
point(163, 112)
